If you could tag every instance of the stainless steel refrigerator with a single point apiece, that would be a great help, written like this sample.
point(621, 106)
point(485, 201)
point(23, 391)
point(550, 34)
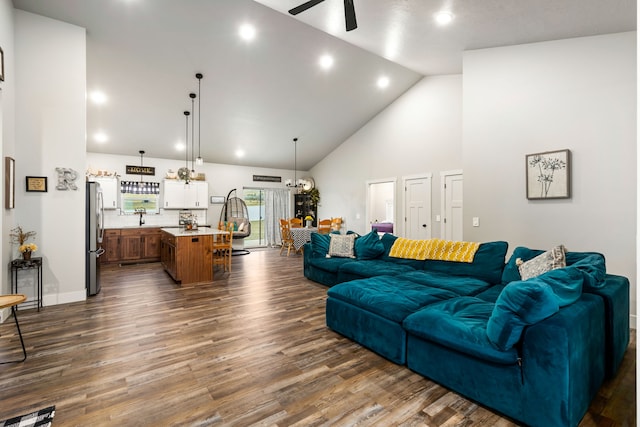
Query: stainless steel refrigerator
point(94, 225)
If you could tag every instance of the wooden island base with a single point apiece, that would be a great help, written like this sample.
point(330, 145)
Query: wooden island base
point(187, 255)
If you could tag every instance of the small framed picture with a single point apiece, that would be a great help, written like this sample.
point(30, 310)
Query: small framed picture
point(37, 184)
point(548, 175)
point(1, 65)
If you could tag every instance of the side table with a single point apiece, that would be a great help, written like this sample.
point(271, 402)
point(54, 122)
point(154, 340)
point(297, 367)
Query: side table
point(27, 264)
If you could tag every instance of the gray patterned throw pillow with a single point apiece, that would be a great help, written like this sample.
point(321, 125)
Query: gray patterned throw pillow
point(341, 245)
point(550, 260)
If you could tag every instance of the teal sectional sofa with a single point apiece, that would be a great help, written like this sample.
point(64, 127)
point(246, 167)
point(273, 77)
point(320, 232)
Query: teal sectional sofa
point(535, 350)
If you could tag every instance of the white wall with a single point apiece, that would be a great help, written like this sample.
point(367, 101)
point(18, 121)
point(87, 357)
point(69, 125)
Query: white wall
point(420, 132)
point(578, 94)
point(7, 137)
point(50, 129)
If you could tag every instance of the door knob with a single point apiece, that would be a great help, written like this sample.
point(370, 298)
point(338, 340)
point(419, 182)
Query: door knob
point(424, 225)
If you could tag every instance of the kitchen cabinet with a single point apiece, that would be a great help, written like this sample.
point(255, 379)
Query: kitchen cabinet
point(111, 246)
point(168, 254)
point(131, 245)
point(187, 256)
point(110, 187)
point(178, 195)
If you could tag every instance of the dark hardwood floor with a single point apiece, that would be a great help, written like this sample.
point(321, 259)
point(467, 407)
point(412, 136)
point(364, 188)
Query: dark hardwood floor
point(251, 348)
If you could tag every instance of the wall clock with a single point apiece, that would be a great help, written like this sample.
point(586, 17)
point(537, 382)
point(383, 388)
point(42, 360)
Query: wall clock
point(308, 184)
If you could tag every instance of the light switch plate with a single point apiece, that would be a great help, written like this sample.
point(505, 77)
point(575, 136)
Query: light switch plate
point(476, 221)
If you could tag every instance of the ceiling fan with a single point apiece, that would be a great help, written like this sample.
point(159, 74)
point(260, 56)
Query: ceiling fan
point(349, 12)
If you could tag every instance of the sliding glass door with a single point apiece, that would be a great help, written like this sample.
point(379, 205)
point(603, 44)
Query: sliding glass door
point(254, 198)
point(266, 206)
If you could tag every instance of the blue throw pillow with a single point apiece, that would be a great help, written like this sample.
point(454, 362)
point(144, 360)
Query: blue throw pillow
point(320, 244)
point(520, 304)
point(369, 246)
point(566, 284)
point(593, 269)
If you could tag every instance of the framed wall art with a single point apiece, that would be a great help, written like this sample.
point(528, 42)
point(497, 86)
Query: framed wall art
point(9, 183)
point(37, 184)
point(548, 175)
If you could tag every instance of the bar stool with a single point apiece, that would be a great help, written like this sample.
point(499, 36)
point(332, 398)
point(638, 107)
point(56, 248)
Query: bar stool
point(11, 301)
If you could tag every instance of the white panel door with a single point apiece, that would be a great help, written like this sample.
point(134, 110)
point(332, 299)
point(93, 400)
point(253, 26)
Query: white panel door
point(453, 207)
point(417, 196)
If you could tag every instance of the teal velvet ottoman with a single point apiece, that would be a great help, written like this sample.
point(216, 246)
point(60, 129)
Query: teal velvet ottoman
point(371, 311)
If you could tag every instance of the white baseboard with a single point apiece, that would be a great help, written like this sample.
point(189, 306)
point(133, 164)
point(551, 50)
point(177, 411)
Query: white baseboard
point(632, 321)
point(65, 298)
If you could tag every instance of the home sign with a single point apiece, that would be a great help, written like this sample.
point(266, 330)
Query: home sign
point(141, 170)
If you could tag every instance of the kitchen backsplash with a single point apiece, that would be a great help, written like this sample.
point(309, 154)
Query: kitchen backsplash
point(166, 218)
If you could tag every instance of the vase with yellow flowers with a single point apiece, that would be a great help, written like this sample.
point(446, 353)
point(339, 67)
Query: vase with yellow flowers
point(20, 237)
point(309, 220)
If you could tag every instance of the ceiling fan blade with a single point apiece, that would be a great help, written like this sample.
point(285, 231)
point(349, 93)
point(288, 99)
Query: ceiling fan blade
point(304, 6)
point(350, 15)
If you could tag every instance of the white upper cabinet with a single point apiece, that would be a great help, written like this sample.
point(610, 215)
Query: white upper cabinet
point(110, 187)
point(178, 195)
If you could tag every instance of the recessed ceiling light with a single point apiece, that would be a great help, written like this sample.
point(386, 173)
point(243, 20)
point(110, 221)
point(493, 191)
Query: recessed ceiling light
point(100, 137)
point(98, 97)
point(247, 32)
point(383, 82)
point(444, 17)
point(180, 146)
point(326, 62)
point(239, 153)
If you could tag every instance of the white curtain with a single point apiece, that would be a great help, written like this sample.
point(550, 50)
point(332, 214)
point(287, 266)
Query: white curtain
point(276, 206)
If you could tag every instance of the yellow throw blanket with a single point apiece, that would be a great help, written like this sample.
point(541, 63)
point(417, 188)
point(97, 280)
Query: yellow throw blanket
point(434, 249)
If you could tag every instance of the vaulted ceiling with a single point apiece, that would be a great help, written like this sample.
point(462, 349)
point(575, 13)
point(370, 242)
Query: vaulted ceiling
point(258, 94)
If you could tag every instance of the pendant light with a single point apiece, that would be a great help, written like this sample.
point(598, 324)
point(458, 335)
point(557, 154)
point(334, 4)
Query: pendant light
point(193, 97)
point(141, 164)
point(295, 184)
point(184, 173)
point(199, 159)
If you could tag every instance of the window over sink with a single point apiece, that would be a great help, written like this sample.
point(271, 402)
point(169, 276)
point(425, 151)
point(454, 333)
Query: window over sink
point(140, 196)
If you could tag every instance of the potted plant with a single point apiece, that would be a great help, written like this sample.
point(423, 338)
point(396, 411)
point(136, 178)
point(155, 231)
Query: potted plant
point(20, 237)
point(314, 195)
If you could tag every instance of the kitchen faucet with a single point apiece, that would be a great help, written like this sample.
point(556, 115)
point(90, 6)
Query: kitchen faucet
point(141, 212)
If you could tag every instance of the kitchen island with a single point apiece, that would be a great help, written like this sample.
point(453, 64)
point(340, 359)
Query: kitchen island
point(186, 254)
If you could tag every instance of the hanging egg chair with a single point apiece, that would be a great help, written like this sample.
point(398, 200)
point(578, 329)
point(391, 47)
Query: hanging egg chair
point(235, 212)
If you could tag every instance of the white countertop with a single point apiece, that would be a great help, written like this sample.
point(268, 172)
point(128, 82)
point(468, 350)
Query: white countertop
point(201, 231)
point(145, 226)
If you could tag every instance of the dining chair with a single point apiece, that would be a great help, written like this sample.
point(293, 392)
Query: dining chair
point(287, 239)
point(222, 248)
point(336, 224)
point(324, 226)
point(295, 222)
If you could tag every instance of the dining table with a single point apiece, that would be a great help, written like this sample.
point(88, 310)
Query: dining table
point(302, 235)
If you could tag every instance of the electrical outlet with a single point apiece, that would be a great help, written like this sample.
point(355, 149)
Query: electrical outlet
point(437, 218)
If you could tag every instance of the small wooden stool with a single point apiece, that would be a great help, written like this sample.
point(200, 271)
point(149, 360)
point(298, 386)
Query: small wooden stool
point(12, 301)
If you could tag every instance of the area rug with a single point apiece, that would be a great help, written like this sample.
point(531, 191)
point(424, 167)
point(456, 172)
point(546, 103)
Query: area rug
point(41, 418)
